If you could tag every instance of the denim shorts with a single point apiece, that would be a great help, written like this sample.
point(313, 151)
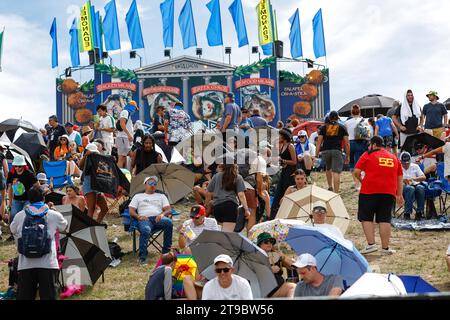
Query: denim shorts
point(87, 185)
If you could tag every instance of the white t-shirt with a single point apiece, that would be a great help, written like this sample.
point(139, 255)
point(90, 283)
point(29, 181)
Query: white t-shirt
point(239, 290)
point(351, 124)
point(122, 134)
point(149, 205)
point(209, 224)
point(447, 159)
point(73, 136)
point(259, 165)
point(312, 138)
point(107, 122)
point(413, 172)
point(311, 151)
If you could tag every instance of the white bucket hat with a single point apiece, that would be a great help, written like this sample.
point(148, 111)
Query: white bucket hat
point(19, 160)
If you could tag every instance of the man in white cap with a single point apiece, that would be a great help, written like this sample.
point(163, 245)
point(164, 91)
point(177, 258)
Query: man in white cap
point(319, 216)
point(314, 283)
point(226, 286)
point(306, 152)
point(152, 211)
point(413, 190)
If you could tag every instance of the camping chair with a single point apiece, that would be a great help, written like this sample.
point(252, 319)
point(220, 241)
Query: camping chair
point(131, 225)
point(56, 173)
point(445, 187)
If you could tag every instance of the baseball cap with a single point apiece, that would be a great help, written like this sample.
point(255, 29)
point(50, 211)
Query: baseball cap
point(319, 205)
point(155, 178)
point(68, 124)
point(224, 258)
point(197, 211)
point(302, 133)
point(92, 147)
point(305, 260)
point(405, 157)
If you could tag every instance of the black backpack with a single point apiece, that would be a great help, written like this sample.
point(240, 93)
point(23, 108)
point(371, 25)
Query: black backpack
point(36, 241)
point(118, 126)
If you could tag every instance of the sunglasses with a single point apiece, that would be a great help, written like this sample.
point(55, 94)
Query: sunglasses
point(320, 211)
point(224, 270)
point(196, 218)
point(268, 242)
point(152, 183)
point(302, 137)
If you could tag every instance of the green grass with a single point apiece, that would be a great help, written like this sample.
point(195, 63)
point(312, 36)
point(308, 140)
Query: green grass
point(418, 253)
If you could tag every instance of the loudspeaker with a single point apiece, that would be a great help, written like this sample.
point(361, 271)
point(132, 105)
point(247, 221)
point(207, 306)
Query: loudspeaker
point(94, 56)
point(278, 49)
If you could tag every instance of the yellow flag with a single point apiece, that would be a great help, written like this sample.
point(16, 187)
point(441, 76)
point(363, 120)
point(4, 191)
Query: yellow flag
point(264, 12)
point(86, 28)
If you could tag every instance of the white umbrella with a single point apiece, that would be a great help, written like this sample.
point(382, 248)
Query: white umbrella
point(376, 285)
point(299, 205)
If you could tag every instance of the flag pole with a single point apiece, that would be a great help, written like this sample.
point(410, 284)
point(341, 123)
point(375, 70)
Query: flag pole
point(249, 54)
point(223, 53)
point(1, 48)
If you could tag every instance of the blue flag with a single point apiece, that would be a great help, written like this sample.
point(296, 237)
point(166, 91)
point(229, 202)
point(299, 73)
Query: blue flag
point(167, 14)
point(214, 31)
point(54, 35)
point(295, 36)
point(239, 22)
point(111, 27)
point(267, 49)
point(187, 26)
point(134, 27)
point(319, 35)
point(74, 46)
point(98, 35)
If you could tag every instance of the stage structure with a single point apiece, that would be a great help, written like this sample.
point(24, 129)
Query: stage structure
point(201, 85)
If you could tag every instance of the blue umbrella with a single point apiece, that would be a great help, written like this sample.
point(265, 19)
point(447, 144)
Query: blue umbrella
point(415, 284)
point(334, 255)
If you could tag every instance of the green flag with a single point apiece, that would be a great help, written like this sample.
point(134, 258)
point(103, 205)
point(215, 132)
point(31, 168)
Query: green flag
point(1, 48)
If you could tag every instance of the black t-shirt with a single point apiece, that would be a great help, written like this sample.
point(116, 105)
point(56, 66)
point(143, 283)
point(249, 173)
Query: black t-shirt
point(333, 133)
point(411, 124)
point(2, 157)
point(21, 184)
point(158, 121)
point(145, 159)
point(54, 134)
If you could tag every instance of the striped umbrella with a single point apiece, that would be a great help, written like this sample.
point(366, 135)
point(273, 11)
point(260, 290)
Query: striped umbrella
point(298, 205)
point(86, 247)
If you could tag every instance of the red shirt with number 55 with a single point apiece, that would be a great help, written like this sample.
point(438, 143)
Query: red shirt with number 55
point(382, 170)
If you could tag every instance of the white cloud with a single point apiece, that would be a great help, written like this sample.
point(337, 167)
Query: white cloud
point(26, 83)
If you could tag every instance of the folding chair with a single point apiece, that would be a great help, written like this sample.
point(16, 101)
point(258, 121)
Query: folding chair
point(131, 225)
point(56, 173)
point(445, 187)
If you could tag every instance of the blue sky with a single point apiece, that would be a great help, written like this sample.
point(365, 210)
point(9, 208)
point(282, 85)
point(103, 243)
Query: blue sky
point(373, 46)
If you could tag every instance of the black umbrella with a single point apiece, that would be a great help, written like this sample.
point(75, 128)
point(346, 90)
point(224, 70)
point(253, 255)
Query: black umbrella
point(86, 247)
point(56, 197)
point(371, 105)
point(426, 139)
point(32, 143)
point(14, 124)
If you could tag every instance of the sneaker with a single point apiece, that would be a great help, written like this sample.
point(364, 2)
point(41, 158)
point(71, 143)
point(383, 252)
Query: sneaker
point(369, 249)
point(143, 262)
point(406, 216)
point(330, 189)
point(387, 252)
point(419, 216)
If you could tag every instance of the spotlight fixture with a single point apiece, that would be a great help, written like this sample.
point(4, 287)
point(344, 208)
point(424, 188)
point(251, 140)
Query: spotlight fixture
point(68, 72)
point(255, 50)
point(167, 53)
point(105, 55)
point(132, 54)
point(310, 63)
point(228, 50)
point(199, 52)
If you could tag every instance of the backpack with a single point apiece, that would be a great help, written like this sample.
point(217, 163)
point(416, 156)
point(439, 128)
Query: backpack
point(361, 131)
point(118, 126)
point(35, 241)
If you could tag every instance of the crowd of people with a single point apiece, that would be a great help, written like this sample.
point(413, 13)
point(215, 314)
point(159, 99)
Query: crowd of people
point(224, 190)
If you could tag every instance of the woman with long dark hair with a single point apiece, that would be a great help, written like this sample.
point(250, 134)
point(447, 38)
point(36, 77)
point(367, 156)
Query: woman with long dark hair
point(227, 189)
point(145, 156)
point(288, 163)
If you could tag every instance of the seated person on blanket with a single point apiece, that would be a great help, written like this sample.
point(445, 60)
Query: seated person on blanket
point(413, 190)
point(152, 211)
point(277, 261)
point(193, 227)
point(315, 284)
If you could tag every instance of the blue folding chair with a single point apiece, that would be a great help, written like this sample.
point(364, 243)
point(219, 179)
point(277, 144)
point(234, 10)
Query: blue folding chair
point(56, 173)
point(131, 225)
point(445, 187)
